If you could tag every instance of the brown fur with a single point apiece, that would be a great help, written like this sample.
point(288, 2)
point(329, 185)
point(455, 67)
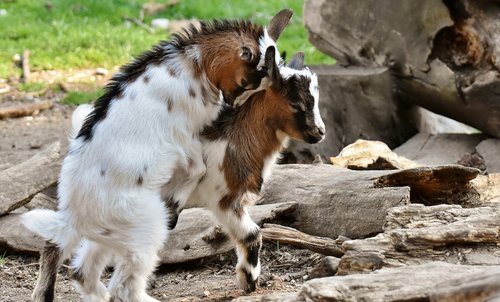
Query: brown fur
point(252, 138)
point(191, 92)
point(221, 60)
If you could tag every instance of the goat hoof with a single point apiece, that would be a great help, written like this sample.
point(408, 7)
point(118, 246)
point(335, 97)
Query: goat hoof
point(247, 281)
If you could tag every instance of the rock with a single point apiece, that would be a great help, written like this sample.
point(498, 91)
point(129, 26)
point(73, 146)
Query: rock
point(370, 155)
point(326, 268)
point(3, 12)
point(489, 150)
point(354, 103)
point(161, 23)
point(434, 281)
point(441, 54)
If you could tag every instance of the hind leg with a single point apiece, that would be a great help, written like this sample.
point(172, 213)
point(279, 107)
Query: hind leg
point(50, 261)
point(86, 269)
point(137, 247)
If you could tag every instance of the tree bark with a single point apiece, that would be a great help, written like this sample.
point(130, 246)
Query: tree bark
point(442, 54)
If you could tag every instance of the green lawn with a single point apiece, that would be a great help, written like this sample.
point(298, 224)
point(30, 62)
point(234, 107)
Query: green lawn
point(70, 34)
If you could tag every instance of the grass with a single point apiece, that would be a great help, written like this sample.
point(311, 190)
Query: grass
point(66, 34)
point(3, 258)
point(31, 87)
point(81, 97)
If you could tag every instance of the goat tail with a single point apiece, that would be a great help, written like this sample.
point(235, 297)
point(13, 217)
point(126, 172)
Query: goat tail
point(60, 240)
point(78, 118)
point(52, 226)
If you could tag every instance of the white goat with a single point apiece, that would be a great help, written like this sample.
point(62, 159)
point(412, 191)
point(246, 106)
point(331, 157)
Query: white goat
point(139, 132)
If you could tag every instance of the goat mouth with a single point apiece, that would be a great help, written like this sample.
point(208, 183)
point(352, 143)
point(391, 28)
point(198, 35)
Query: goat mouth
point(313, 138)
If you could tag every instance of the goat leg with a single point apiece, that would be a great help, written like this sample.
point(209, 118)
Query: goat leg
point(50, 261)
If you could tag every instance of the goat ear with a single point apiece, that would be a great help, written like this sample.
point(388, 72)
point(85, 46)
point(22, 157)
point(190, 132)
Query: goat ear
point(270, 64)
point(278, 23)
point(297, 62)
point(246, 54)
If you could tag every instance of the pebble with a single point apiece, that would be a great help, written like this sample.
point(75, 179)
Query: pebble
point(3, 12)
point(161, 23)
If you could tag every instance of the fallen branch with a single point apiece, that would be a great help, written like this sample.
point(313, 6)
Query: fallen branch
point(21, 182)
point(24, 109)
point(139, 23)
point(291, 236)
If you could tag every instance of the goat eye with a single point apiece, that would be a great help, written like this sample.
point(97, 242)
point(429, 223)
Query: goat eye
point(244, 83)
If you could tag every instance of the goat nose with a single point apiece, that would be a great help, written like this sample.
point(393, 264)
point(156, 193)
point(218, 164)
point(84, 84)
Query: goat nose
point(321, 130)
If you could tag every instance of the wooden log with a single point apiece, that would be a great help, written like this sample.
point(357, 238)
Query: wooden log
point(39, 201)
point(436, 185)
point(15, 237)
point(488, 187)
point(291, 236)
point(416, 234)
point(441, 54)
point(434, 281)
point(21, 182)
point(196, 235)
point(26, 66)
point(333, 201)
point(189, 241)
point(489, 150)
point(439, 149)
point(24, 109)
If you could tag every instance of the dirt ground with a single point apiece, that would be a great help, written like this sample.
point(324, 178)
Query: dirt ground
point(283, 268)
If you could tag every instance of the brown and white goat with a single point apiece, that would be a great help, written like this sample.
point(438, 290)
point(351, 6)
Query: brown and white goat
point(144, 127)
point(242, 145)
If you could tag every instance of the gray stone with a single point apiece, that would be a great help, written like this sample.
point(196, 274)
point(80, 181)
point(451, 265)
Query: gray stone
point(489, 150)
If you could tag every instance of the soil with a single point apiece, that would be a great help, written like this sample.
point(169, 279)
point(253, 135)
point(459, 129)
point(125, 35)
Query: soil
point(283, 268)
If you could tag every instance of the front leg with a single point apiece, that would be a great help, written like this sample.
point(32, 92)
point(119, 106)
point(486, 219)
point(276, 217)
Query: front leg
point(246, 234)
